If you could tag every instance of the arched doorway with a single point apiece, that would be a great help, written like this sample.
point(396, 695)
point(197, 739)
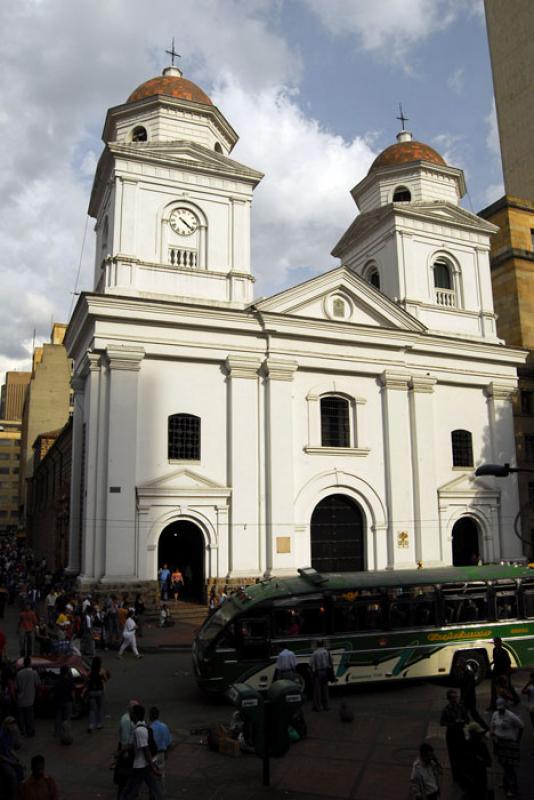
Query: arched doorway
point(337, 534)
point(181, 545)
point(465, 542)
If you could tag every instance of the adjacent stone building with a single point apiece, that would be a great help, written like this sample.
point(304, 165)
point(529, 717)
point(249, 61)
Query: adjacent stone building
point(10, 433)
point(12, 395)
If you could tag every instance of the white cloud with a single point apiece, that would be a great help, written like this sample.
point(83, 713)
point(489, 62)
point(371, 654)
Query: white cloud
point(303, 203)
point(456, 81)
point(391, 27)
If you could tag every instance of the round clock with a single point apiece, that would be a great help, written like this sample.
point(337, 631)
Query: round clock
point(183, 221)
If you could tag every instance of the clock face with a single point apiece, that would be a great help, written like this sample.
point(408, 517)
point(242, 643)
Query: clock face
point(183, 221)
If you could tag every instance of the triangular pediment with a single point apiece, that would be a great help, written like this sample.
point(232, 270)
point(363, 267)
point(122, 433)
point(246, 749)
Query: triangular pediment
point(467, 484)
point(185, 152)
point(441, 211)
point(182, 481)
point(362, 304)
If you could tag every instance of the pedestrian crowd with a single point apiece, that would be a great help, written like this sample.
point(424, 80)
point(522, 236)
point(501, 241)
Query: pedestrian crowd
point(474, 744)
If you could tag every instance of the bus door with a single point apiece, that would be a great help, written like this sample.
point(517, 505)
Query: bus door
point(253, 636)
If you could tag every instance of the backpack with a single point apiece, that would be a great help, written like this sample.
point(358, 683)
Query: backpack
point(152, 746)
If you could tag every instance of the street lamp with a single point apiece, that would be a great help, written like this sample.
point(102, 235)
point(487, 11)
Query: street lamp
point(503, 471)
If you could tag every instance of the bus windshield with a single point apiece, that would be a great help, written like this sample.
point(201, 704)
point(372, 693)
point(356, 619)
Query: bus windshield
point(219, 620)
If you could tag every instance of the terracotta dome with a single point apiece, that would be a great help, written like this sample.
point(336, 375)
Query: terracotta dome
point(406, 152)
point(171, 84)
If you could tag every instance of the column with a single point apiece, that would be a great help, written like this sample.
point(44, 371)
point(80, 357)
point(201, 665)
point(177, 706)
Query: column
point(243, 460)
point(428, 547)
point(279, 473)
point(397, 458)
point(506, 545)
point(76, 490)
point(121, 545)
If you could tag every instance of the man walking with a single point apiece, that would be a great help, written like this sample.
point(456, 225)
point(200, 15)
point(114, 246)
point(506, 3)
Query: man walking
point(63, 694)
point(163, 741)
point(502, 667)
point(143, 770)
point(128, 636)
point(26, 627)
point(164, 577)
point(286, 665)
point(26, 684)
point(321, 666)
point(454, 719)
point(507, 730)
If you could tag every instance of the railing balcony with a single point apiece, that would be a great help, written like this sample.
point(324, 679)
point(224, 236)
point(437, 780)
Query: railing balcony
point(180, 257)
point(446, 297)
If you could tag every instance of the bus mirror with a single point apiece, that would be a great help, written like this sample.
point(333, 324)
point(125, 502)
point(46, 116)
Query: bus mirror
point(284, 700)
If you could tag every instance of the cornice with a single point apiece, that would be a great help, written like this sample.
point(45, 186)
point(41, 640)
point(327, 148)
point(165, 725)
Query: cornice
point(124, 359)
point(359, 452)
point(390, 379)
point(242, 367)
point(501, 391)
point(278, 369)
point(422, 384)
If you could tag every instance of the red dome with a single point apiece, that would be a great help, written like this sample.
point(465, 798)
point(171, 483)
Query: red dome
point(406, 152)
point(171, 86)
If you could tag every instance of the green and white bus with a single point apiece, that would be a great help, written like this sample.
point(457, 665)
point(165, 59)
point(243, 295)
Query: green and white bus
point(379, 626)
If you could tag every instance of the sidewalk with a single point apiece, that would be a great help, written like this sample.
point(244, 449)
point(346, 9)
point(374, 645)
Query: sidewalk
point(187, 619)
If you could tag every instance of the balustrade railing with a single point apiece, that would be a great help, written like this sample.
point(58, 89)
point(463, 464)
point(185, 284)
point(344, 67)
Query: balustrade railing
point(180, 257)
point(446, 297)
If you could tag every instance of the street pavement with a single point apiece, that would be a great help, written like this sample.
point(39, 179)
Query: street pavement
point(368, 759)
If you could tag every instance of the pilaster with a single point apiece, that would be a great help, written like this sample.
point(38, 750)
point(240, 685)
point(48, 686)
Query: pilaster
point(77, 488)
point(399, 471)
point(121, 557)
point(425, 498)
point(279, 489)
point(242, 454)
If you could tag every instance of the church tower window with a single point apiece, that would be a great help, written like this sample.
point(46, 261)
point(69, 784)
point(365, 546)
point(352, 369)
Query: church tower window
point(217, 147)
point(371, 274)
point(402, 195)
point(443, 283)
point(462, 448)
point(184, 437)
point(139, 134)
point(335, 422)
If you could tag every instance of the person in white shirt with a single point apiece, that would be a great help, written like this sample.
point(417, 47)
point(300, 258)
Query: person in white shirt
point(426, 775)
point(143, 770)
point(321, 666)
point(286, 665)
point(507, 730)
point(128, 636)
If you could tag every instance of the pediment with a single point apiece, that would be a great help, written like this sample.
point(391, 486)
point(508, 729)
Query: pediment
point(184, 151)
point(182, 481)
point(327, 295)
point(448, 213)
point(467, 484)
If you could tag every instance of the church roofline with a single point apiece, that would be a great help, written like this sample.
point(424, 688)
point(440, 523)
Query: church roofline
point(375, 175)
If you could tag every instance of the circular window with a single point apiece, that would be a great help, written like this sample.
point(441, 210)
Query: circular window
point(139, 134)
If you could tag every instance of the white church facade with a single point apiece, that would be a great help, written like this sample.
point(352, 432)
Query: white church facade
point(336, 424)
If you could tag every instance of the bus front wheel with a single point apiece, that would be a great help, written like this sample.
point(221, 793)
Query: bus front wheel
point(475, 661)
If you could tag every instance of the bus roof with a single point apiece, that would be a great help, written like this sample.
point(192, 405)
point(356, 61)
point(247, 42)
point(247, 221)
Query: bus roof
point(296, 585)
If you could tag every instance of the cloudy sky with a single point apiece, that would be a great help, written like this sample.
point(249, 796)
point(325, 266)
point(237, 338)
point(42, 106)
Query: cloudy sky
point(311, 86)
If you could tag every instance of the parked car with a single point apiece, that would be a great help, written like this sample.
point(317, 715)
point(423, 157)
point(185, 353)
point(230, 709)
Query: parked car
point(47, 667)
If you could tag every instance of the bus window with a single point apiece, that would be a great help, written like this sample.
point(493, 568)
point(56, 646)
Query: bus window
point(412, 607)
point(528, 603)
point(464, 603)
point(357, 611)
point(252, 635)
point(506, 605)
point(308, 618)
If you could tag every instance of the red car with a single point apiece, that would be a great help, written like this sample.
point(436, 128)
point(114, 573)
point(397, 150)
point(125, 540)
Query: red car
point(47, 667)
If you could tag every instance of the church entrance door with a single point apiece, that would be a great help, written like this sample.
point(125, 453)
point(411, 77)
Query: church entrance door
point(465, 542)
point(181, 545)
point(337, 535)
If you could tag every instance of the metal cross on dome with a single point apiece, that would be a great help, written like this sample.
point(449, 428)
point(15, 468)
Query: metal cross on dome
point(172, 52)
point(401, 116)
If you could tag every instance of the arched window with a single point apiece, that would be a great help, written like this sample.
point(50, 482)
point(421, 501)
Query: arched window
point(335, 422)
point(444, 283)
point(217, 147)
point(139, 134)
point(371, 274)
point(402, 195)
point(184, 437)
point(462, 449)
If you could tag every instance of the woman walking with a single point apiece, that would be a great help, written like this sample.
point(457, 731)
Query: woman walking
point(128, 636)
point(95, 691)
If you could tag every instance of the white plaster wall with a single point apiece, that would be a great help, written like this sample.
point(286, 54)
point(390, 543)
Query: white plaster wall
point(424, 185)
point(168, 124)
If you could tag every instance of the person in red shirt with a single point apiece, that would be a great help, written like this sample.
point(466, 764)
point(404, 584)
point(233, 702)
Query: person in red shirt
point(26, 627)
point(38, 786)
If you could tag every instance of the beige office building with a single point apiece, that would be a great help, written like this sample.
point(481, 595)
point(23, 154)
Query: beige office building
point(10, 431)
point(13, 393)
point(510, 25)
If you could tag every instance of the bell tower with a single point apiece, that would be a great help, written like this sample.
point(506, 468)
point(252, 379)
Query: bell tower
point(416, 244)
point(172, 209)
